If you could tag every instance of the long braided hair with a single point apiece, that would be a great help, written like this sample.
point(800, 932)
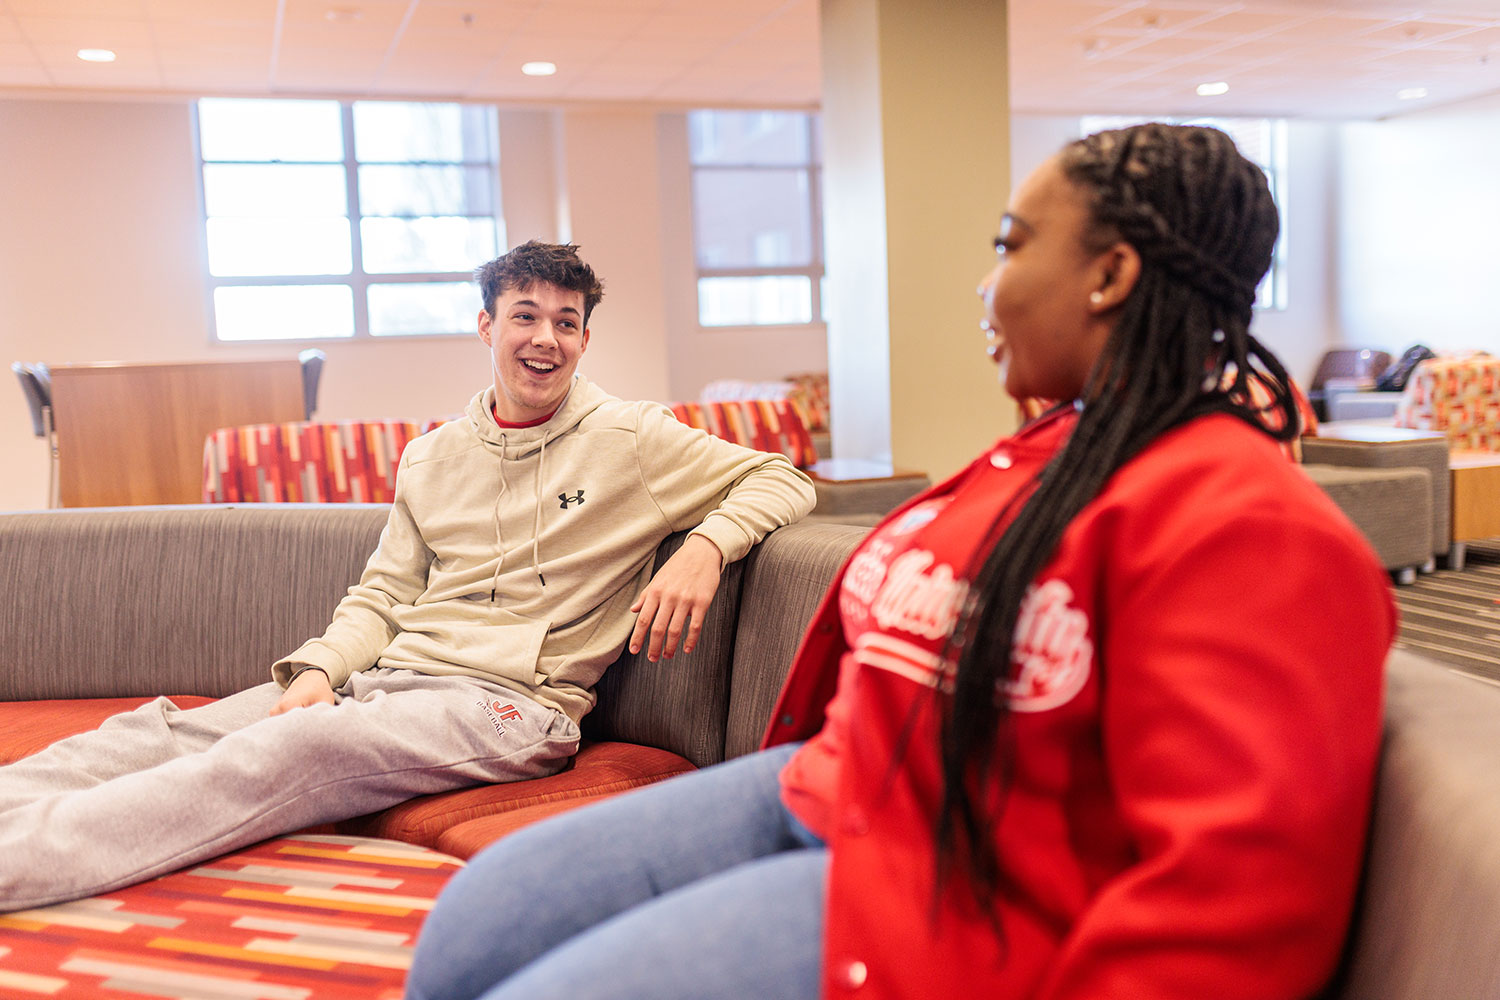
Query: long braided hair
point(1202, 220)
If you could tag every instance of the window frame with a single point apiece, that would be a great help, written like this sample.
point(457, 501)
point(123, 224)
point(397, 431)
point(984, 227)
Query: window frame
point(357, 279)
point(814, 271)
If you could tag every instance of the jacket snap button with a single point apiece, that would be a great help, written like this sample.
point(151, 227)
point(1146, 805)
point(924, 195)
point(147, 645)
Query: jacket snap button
point(855, 974)
point(1001, 460)
point(787, 720)
point(856, 822)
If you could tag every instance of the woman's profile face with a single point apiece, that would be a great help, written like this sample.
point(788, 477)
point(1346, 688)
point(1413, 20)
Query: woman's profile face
point(1042, 331)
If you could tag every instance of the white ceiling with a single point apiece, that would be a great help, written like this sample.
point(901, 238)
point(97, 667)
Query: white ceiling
point(1303, 58)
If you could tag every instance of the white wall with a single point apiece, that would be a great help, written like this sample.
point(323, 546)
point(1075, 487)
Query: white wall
point(1419, 214)
point(1308, 326)
point(1300, 333)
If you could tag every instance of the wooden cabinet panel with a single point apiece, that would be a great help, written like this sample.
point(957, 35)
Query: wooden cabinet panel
point(133, 433)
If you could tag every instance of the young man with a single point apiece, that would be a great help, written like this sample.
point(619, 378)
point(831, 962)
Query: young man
point(515, 565)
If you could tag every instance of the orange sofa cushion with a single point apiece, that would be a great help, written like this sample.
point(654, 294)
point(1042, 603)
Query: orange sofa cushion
point(598, 769)
point(28, 726)
point(467, 839)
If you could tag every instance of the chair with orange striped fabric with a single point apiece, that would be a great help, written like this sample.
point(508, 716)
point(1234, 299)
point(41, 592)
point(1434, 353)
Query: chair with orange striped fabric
point(774, 425)
point(349, 461)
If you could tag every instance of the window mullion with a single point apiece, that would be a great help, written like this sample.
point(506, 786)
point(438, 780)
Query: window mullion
point(358, 280)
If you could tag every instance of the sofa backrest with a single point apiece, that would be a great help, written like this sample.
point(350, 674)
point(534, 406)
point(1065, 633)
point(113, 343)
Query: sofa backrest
point(680, 704)
point(1425, 926)
point(203, 599)
point(110, 602)
point(786, 576)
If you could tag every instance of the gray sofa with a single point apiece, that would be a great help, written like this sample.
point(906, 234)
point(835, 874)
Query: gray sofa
point(200, 600)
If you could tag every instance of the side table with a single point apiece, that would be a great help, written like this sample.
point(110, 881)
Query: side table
point(860, 491)
point(1476, 499)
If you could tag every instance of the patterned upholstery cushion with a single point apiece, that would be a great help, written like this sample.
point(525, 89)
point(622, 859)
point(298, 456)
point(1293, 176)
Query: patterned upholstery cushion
point(1458, 396)
point(774, 425)
point(308, 462)
point(306, 917)
point(811, 393)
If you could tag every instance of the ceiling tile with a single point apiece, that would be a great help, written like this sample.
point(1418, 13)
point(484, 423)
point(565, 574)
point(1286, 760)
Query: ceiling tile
point(82, 32)
point(18, 54)
point(182, 61)
point(210, 35)
point(387, 14)
point(22, 76)
point(103, 9)
point(209, 10)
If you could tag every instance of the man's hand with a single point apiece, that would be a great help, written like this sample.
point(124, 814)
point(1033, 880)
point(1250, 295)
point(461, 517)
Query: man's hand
point(677, 596)
point(310, 687)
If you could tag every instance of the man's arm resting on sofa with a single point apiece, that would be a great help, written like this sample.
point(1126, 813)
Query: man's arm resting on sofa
point(678, 596)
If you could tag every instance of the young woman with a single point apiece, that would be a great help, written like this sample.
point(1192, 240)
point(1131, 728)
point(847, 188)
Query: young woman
point(1096, 717)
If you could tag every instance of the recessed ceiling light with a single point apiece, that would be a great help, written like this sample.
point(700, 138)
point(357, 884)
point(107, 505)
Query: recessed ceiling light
point(1213, 89)
point(539, 68)
point(1411, 94)
point(96, 55)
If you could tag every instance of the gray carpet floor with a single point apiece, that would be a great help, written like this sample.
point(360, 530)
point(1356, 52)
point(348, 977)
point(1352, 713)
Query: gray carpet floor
point(1454, 616)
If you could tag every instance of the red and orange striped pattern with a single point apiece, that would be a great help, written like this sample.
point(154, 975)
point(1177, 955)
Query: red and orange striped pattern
point(350, 461)
point(295, 918)
point(773, 425)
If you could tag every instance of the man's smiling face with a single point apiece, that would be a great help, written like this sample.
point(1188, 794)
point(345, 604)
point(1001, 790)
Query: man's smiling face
point(535, 336)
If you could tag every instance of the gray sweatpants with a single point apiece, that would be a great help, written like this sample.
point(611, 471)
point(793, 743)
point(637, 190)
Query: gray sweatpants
point(158, 788)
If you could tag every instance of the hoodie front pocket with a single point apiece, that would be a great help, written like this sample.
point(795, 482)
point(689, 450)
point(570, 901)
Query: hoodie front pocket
point(470, 636)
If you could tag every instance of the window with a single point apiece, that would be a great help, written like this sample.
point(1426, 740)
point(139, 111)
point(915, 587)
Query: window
point(1262, 141)
point(757, 217)
point(337, 219)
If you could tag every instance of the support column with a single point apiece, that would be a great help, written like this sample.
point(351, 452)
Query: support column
point(916, 125)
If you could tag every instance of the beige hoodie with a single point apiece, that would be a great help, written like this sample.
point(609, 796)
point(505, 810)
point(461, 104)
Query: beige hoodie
point(514, 554)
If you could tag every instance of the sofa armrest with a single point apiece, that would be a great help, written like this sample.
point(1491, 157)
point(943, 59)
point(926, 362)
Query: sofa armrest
point(1426, 923)
point(787, 575)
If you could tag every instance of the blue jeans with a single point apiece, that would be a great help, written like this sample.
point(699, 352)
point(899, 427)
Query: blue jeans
point(703, 886)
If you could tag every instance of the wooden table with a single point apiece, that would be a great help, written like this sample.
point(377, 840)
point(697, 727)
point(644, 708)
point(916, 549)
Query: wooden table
point(133, 433)
point(1476, 497)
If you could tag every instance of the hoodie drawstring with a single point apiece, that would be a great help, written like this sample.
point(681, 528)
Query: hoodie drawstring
point(536, 521)
point(499, 531)
point(536, 524)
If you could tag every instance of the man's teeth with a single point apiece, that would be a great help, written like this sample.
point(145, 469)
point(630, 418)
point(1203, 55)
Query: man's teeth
point(538, 366)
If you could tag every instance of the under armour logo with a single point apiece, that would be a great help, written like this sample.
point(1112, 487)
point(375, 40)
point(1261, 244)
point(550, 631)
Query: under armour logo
point(575, 498)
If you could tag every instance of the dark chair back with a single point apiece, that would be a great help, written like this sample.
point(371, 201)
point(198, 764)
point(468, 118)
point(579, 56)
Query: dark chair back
point(312, 369)
point(1350, 362)
point(36, 384)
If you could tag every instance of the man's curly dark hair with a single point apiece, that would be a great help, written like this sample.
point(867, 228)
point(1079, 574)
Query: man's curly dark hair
point(533, 262)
